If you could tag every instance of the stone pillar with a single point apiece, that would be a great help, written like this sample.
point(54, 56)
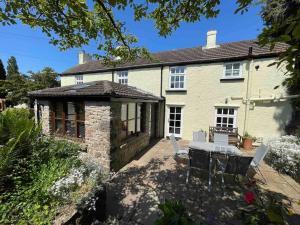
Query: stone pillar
point(97, 131)
point(45, 115)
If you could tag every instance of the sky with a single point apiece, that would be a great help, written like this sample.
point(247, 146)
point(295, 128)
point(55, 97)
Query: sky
point(33, 52)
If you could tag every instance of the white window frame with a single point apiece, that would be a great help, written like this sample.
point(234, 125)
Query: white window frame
point(181, 120)
point(233, 76)
point(177, 75)
point(234, 115)
point(122, 77)
point(78, 79)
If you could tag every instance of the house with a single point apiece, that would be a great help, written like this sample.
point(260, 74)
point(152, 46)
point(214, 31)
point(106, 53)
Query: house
point(229, 85)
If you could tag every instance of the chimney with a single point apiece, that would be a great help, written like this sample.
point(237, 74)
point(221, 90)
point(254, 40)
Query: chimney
point(211, 39)
point(83, 57)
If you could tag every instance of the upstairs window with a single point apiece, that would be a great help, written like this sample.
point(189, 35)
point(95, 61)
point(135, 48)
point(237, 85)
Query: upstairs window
point(232, 70)
point(177, 77)
point(79, 79)
point(123, 77)
point(68, 119)
point(226, 117)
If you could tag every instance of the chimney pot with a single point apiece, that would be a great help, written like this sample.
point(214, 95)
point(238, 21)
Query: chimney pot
point(211, 39)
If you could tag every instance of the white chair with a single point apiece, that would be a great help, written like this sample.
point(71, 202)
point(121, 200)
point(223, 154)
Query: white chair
point(176, 148)
point(199, 136)
point(260, 154)
point(221, 139)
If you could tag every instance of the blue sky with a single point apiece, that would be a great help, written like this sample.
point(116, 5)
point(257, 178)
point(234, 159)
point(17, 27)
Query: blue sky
point(33, 51)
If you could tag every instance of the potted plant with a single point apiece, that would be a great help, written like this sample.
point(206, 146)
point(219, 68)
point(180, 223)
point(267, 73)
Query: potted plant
point(247, 141)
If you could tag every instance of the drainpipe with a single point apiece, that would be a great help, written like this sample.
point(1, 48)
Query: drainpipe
point(247, 101)
point(113, 76)
point(164, 101)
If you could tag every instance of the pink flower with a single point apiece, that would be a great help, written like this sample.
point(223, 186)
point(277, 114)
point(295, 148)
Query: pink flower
point(249, 197)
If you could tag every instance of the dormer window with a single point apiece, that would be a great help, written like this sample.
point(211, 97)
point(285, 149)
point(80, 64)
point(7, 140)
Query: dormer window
point(177, 78)
point(123, 77)
point(79, 79)
point(232, 70)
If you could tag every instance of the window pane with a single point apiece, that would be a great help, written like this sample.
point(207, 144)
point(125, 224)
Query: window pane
point(231, 111)
point(173, 70)
point(172, 78)
point(219, 111)
point(218, 119)
point(71, 128)
point(131, 111)
point(70, 111)
point(138, 125)
point(172, 109)
point(58, 126)
point(236, 72)
point(228, 66)
point(176, 85)
point(224, 120)
point(228, 73)
point(225, 111)
point(172, 123)
point(171, 130)
point(177, 123)
point(58, 109)
point(131, 127)
point(172, 116)
point(80, 111)
point(181, 84)
point(178, 109)
point(230, 120)
point(178, 116)
point(177, 130)
point(123, 129)
point(236, 66)
point(124, 112)
point(181, 78)
point(81, 130)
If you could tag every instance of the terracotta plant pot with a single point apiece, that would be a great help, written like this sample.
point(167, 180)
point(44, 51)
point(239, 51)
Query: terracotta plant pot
point(247, 143)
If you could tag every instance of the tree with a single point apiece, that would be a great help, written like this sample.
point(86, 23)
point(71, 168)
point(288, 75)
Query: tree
point(2, 71)
point(47, 78)
point(12, 67)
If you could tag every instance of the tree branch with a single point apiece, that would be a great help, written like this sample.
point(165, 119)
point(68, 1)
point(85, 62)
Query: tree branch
point(100, 2)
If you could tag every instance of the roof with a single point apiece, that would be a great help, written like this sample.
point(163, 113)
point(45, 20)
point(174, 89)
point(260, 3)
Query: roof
point(225, 52)
point(95, 89)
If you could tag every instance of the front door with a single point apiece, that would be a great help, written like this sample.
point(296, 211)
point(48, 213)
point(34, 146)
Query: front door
point(175, 120)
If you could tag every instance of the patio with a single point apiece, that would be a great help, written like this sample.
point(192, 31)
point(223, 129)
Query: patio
point(136, 190)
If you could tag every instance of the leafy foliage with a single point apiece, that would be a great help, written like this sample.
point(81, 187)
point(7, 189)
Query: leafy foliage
point(15, 88)
point(2, 71)
point(174, 213)
point(29, 165)
point(12, 67)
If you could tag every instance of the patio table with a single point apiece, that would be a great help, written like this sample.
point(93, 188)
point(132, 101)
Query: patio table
point(212, 147)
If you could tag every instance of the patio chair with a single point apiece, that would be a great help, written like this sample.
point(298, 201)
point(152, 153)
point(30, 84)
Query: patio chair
point(260, 154)
point(221, 160)
point(176, 148)
point(198, 159)
point(238, 165)
point(199, 136)
point(221, 139)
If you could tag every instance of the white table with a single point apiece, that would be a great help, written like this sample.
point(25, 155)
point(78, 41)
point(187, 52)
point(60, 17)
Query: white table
point(211, 147)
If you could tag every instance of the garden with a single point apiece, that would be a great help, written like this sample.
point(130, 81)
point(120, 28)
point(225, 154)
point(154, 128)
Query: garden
point(39, 175)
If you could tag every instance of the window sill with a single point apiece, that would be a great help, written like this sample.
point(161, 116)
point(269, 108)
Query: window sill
point(70, 138)
point(232, 79)
point(176, 90)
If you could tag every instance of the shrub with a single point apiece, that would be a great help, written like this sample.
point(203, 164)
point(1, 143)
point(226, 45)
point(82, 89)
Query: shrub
point(174, 213)
point(284, 156)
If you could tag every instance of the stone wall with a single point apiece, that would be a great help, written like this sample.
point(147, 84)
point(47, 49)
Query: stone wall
point(124, 150)
point(97, 131)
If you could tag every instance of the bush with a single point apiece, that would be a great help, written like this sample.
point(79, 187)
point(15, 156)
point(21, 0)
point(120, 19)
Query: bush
point(284, 156)
point(29, 165)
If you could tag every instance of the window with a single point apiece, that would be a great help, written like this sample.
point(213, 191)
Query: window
point(233, 70)
point(226, 117)
point(79, 79)
point(123, 77)
point(68, 119)
point(177, 77)
point(175, 120)
point(130, 119)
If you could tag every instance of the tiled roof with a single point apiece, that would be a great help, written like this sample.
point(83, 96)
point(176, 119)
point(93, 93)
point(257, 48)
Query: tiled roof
point(225, 52)
point(95, 89)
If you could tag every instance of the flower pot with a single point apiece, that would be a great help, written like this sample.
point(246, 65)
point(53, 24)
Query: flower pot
point(247, 143)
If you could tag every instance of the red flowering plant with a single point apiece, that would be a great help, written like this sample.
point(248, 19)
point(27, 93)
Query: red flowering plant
point(267, 208)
